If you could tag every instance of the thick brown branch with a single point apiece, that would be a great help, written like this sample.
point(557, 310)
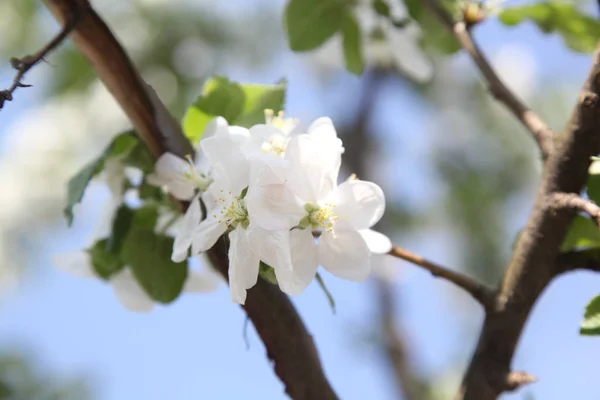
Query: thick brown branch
point(572, 201)
point(23, 65)
point(286, 339)
point(480, 292)
point(534, 262)
point(540, 131)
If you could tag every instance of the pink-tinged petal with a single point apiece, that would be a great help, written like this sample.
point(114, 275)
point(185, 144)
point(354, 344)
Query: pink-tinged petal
point(359, 204)
point(345, 254)
point(304, 263)
point(187, 230)
point(77, 263)
point(206, 234)
point(377, 242)
point(243, 266)
point(129, 292)
point(271, 246)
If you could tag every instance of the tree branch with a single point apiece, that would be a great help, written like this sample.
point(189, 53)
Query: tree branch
point(23, 65)
point(588, 260)
point(286, 339)
point(534, 262)
point(540, 131)
point(572, 201)
point(480, 292)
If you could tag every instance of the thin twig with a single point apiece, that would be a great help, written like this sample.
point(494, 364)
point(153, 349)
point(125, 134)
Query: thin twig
point(572, 201)
point(480, 292)
point(540, 131)
point(23, 65)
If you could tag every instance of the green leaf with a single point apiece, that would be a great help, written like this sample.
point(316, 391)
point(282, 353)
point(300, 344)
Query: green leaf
point(591, 319)
point(267, 273)
point(239, 104)
point(149, 257)
point(327, 292)
point(352, 45)
point(381, 7)
point(121, 144)
point(593, 181)
point(580, 32)
point(120, 228)
point(583, 233)
point(310, 23)
point(145, 217)
point(435, 35)
point(105, 262)
point(257, 98)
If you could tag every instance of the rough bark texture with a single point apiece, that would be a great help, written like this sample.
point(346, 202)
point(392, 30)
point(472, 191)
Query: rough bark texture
point(534, 262)
point(281, 329)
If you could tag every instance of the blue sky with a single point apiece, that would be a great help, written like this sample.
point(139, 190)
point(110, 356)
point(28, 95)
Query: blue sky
point(195, 348)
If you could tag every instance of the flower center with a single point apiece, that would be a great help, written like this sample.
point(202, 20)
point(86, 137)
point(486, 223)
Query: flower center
point(233, 212)
point(285, 125)
point(276, 146)
point(197, 179)
point(319, 217)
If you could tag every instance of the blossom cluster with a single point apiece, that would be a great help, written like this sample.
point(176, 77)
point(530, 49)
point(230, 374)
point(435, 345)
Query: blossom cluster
point(273, 190)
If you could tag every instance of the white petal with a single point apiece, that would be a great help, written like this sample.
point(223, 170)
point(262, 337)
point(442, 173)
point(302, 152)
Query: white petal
point(271, 203)
point(377, 242)
point(227, 160)
point(345, 254)
point(206, 234)
point(316, 165)
point(271, 246)
point(201, 282)
point(217, 126)
point(170, 172)
point(104, 228)
point(185, 235)
point(322, 128)
point(243, 266)
point(77, 263)
point(304, 262)
point(114, 177)
point(129, 292)
point(359, 204)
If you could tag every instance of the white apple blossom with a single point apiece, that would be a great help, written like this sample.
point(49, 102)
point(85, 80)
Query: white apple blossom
point(305, 196)
point(126, 288)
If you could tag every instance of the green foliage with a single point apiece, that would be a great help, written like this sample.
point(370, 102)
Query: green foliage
point(435, 36)
point(78, 183)
point(593, 181)
point(267, 273)
point(149, 257)
point(381, 7)
point(239, 104)
point(583, 233)
point(591, 319)
point(104, 260)
point(579, 31)
point(310, 23)
point(352, 45)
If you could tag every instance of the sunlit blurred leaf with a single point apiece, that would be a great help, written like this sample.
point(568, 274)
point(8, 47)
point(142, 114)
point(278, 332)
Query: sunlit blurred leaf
point(583, 233)
point(579, 31)
point(591, 319)
point(352, 45)
point(435, 36)
point(310, 23)
point(149, 257)
point(239, 104)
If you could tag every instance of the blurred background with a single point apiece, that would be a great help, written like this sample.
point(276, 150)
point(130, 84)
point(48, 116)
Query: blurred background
point(459, 174)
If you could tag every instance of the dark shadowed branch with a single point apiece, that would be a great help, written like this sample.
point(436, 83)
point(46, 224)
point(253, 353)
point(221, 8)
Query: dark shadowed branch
point(24, 64)
point(287, 342)
point(480, 292)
